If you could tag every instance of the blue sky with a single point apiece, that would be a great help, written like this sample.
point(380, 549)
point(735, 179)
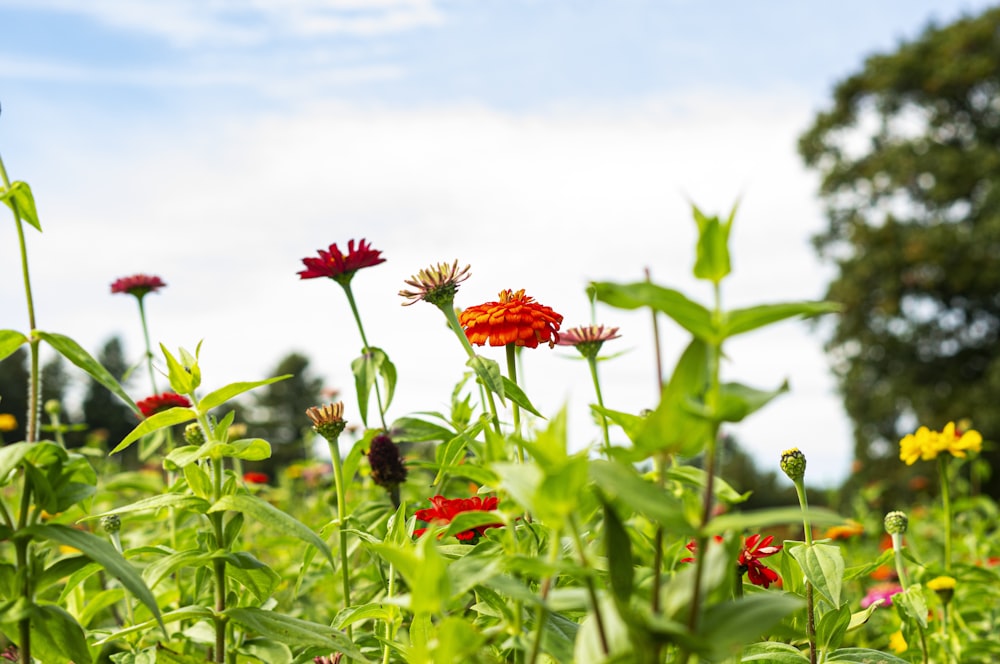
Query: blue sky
point(547, 143)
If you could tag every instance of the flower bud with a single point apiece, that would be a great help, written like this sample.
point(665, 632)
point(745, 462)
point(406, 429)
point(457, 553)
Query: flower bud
point(194, 435)
point(52, 407)
point(111, 523)
point(793, 463)
point(896, 523)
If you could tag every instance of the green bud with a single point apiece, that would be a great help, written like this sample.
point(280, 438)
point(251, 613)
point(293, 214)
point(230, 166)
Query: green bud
point(111, 523)
point(793, 463)
point(194, 435)
point(52, 407)
point(896, 523)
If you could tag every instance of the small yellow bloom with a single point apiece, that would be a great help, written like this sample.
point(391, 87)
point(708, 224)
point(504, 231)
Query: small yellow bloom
point(7, 422)
point(941, 583)
point(925, 444)
point(897, 643)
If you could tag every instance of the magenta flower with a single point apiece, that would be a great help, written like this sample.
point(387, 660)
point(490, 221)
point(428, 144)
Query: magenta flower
point(881, 591)
point(137, 284)
point(160, 402)
point(339, 266)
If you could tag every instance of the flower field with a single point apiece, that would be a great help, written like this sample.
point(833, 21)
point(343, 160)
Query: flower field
point(482, 532)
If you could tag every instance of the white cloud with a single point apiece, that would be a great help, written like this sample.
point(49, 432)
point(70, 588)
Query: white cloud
point(242, 23)
point(545, 202)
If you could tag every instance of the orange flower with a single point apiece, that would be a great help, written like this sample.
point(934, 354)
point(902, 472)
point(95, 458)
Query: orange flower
point(851, 529)
point(516, 319)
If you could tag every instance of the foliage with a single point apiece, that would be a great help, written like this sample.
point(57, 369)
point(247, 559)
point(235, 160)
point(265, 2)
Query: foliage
point(910, 174)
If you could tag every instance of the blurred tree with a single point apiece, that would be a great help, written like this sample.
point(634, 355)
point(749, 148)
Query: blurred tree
point(104, 413)
point(14, 392)
point(278, 413)
point(909, 160)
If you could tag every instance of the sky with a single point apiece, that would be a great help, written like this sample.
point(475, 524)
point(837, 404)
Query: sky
point(547, 143)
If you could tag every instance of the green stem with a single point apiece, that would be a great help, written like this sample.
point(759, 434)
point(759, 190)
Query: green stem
point(800, 490)
point(338, 479)
point(542, 613)
point(219, 565)
point(515, 410)
point(390, 625)
point(21, 547)
point(946, 501)
point(364, 341)
point(589, 582)
point(592, 361)
point(456, 327)
point(149, 347)
point(116, 541)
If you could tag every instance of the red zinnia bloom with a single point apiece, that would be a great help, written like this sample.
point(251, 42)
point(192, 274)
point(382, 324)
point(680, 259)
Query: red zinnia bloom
point(160, 402)
point(754, 549)
point(515, 319)
point(692, 546)
point(255, 478)
point(446, 509)
point(339, 266)
point(137, 284)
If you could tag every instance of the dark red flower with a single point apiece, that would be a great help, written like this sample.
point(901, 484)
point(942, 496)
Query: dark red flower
point(515, 319)
point(137, 284)
point(388, 470)
point(256, 478)
point(754, 549)
point(446, 509)
point(692, 546)
point(160, 402)
point(338, 266)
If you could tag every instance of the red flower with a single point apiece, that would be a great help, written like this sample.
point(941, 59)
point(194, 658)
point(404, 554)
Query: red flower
point(160, 402)
point(446, 509)
point(692, 546)
point(748, 562)
point(754, 549)
point(137, 284)
point(515, 319)
point(255, 478)
point(338, 266)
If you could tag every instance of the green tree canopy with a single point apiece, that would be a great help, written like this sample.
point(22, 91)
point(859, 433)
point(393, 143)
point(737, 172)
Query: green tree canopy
point(909, 160)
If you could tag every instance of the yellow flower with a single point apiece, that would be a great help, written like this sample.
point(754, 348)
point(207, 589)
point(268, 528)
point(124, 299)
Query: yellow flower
point(7, 422)
point(897, 643)
point(941, 583)
point(925, 444)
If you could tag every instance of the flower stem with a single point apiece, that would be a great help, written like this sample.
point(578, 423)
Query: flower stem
point(515, 409)
point(592, 361)
point(946, 503)
point(589, 582)
point(364, 342)
point(338, 479)
point(34, 388)
point(456, 327)
point(800, 490)
point(541, 613)
point(149, 348)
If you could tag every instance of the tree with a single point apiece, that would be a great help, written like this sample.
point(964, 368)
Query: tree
point(105, 413)
point(278, 412)
point(909, 160)
point(14, 392)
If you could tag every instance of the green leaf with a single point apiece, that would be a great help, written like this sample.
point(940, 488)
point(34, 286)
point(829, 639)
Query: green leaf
point(161, 420)
point(101, 552)
point(73, 352)
point(416, 430)
point(863, 656)
point(773, 652)
point(631, 424)
point(488, 372)
point(11, 457)
point(182, 381)
point(252, 574)
point(271, 517)
point(619, 550)
point(832, 627)
point(657, 504)
point(469, 520)
point(859, 618)
point(365, 368)
point(739, 321)
point(10, 340)
point(192, 613)
point(21, 201)
point(292, 631)
point(823, 566)
point(687, 313)
point(370, 611)
point(773, 516)
point(914, 604)
point(56, 636)
point(153, 503)
point(517, 395)
point(672, 427)
point(712, 262)
point(698, 478)
point(738, 400)
point(728, 625)
point(224, 394)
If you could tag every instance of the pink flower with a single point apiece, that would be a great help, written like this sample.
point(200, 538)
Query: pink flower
point(160, 402)
point(137, 284)
point(881, 591)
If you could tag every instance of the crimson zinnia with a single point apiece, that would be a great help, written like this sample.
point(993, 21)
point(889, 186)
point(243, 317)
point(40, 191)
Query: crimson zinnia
point(748, 562)
point(137, 284)
point(338, 266)
point(160, 402)
point(446, 509)
point(516, 319)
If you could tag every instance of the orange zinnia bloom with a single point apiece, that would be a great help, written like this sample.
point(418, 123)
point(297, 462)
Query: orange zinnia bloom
point(516, 319)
